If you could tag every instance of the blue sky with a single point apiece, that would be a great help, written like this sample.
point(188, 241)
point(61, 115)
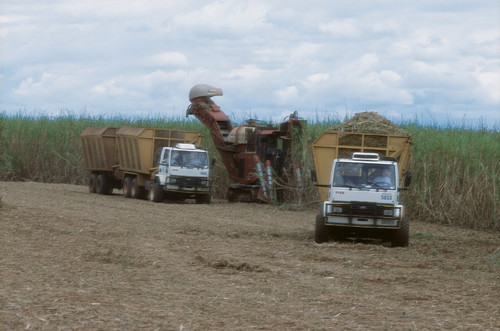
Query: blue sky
point(432, 60)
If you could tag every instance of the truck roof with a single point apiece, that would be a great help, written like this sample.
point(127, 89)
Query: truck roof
point(366, 161)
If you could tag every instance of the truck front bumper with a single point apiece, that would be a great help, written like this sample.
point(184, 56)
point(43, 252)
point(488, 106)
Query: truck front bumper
point(187, 189)
point(363, 214)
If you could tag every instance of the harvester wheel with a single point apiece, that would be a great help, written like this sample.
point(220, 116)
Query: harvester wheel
point(231, 195)
point(92, 182)
point(127, 185)
point(155, 193)
point(400, 237)
point(103, 185)
point(322, 232)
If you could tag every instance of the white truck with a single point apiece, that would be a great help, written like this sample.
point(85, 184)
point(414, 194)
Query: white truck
point(151, 163)
point(183, 172)
point(360, 190)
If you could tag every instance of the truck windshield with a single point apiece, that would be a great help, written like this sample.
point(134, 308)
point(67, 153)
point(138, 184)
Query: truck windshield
point(364, 175)
point(189, 159)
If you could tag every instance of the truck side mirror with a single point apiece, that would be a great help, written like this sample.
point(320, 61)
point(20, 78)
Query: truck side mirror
point(407, 179)
point(212, 164)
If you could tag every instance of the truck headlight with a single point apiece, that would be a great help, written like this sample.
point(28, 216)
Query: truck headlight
point(337, 210)
point(396, 212)
point(388, 212)
point(328, 209)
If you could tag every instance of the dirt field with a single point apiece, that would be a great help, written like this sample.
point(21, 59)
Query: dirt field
point(74, 260)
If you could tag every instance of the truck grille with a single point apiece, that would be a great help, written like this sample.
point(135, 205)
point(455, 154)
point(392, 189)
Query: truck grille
point(363, 209)
point(188, 181)
point(360, 209)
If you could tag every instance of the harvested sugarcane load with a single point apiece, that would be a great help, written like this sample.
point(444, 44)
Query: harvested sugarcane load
point(369, 122)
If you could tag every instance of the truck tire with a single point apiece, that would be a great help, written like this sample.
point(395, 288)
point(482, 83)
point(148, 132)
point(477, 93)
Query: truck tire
point(338, 234)
point(92, 183)
point(155, 193)
point(127, 185)
point(103, 184)
point(136, 191)
point(204, 198)
point(322, 232)
point(400, 237)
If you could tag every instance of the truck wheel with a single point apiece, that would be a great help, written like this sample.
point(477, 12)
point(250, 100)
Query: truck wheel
point(322, 232)
point(127, 185)
point(400, 237)
point(136, 191)
point(103, 185)
point(155, 193)
point(338, 234)
point(205, 198)
point(92, 182)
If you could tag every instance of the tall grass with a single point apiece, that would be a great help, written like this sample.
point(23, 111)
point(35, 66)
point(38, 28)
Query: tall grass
point(456, 176)
point(456, 171)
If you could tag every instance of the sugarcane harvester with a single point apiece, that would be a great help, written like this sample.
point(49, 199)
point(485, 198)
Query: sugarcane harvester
point(259, 158)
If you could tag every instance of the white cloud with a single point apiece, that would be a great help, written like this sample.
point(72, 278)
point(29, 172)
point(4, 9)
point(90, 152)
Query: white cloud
point(109, 88)
point(130, 56)
point(165, 59)
point(246, 73)
point(318, 78)
point(223, 17)
point(345, 28)
point(288, 95)
point(488, 89)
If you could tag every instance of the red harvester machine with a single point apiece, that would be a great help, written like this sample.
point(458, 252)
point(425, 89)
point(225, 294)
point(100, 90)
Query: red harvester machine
point(258, 158)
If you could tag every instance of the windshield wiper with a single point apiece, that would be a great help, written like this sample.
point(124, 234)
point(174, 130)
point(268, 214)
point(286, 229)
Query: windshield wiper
point(346, 185)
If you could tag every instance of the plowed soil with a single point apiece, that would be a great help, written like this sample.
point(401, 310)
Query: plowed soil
point(74, 260)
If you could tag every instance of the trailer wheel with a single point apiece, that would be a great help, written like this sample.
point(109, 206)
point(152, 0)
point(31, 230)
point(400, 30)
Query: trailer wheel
point(322, 232)
point(136, 191)
point(92, 183)
point(155, 193)
point(127, 187)
point(103, 185)
point(400, 237)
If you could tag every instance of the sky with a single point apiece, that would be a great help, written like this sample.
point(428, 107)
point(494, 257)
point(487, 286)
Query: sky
point(430, 60)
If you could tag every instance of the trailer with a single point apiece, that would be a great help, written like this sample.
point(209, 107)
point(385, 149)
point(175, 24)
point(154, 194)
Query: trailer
point(140, 162)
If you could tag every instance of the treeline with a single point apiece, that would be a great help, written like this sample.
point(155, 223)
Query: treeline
point(456, 172)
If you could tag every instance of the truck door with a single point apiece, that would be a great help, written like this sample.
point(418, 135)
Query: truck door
point(164, 161)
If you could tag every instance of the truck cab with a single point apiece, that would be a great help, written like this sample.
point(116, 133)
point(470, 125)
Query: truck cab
point(363, 201)
point(183, 173)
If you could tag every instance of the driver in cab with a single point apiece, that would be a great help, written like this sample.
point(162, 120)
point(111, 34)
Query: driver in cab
point(383, 177)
